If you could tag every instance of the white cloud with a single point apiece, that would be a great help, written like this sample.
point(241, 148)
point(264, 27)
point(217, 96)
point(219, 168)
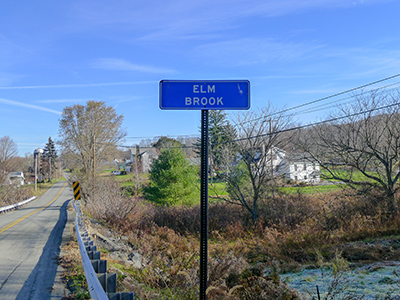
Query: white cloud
point(190, 16)
point(117, 64)
point(364, 60)
point(53, 101)
point(30, 106)
point(254, 51)
point(83, 85)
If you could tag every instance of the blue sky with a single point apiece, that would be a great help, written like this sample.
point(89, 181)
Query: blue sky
point(59, 53)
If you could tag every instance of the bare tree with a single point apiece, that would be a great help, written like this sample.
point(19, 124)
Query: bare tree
point(89, 134)
point(8, 150)
point(251, 176)
point(361, 146)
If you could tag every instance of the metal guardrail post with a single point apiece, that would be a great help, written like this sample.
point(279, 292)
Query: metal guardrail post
point(102, 286)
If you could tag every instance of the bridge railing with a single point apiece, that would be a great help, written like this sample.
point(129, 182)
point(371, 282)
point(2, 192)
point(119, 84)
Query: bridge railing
point(16, 205)
point(102, 286)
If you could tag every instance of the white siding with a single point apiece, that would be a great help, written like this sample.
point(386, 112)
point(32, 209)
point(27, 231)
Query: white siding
point(306, 172)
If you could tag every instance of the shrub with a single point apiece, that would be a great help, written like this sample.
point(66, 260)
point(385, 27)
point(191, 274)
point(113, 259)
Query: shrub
point(107, 203)
point(172, 179)
point(186, 220)
point(10, 194)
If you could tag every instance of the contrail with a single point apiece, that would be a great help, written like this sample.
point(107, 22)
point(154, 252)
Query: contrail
point(84, 85)
point(16, 103)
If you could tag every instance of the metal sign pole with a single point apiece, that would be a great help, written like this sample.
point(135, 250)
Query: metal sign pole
point(204, 95)
point(204, 205)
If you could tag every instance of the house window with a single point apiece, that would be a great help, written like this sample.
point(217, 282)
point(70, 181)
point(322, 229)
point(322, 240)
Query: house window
point(314, 166)
point(305, 166)
point(305, 177)
point(295, 168)
point(295, 178)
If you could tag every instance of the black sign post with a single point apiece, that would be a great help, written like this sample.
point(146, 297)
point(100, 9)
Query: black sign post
point(204, 205)
point(204, 95)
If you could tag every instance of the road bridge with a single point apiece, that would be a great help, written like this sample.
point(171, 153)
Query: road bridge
point(30, 240)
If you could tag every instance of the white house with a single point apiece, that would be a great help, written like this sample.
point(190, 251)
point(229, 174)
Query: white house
point(16, 178)
point(145, 159)
point(294, 166)
point(298, 167)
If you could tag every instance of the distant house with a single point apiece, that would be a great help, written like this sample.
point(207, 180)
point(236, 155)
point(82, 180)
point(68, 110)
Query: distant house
point(16, 178)
point(194, 161)
point(294, 166)
point(144, 159)
point(299, 167)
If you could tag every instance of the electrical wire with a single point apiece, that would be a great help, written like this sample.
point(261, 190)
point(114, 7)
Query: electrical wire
point(314, 124)
point(317, 108)
point(328, 97)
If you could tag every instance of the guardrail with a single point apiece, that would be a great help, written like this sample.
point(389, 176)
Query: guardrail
point(16, 205)
point(102, 286)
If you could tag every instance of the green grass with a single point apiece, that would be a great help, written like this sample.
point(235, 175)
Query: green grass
point(312, 189)
point(355, 176)
point(217, 189)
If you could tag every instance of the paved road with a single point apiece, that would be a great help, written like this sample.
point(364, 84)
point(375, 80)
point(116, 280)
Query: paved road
point(30, 240)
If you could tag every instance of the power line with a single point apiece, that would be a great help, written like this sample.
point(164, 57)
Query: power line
point(157, 136)
point(283, 130)
point(327, 97)
point(314, 124)
point(294, 114)
point(324, 106)
point(341, 93)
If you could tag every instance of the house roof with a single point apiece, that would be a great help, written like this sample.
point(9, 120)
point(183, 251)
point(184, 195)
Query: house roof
point(299, 157)
point(194, 161)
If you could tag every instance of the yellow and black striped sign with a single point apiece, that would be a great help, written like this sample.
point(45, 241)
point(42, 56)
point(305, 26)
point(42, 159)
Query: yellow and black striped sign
point(77, 190)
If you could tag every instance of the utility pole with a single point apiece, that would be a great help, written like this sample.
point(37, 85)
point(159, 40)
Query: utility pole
point(94, 156)
point(212, 165)
point(36, 153)
point(50, 167)
point(137, 169)
point(94, 162)
point(270, 131)
point(35, 161)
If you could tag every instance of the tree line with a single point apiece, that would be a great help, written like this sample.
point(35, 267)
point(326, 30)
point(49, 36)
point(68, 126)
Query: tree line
point(11, 162)
point(358, 145)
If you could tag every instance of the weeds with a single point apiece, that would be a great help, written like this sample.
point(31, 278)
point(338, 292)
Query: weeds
point(74, 274)
point(10, 194)
point(245, 257)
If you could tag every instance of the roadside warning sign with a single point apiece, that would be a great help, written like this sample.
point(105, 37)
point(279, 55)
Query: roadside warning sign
point(77, 190)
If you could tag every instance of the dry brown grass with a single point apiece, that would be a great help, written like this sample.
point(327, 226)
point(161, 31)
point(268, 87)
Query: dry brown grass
point(74, 275)
point(292, 230)
point(11, 194)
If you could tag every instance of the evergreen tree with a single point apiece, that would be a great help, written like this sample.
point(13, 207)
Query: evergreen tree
point(172, 179)
point(165, 142)
point(220, 132)
point(50, 154)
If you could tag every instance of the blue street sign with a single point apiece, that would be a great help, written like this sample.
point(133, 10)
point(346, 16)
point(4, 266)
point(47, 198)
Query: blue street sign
point(205, 95)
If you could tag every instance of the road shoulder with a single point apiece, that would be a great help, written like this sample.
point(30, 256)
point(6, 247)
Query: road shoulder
point(60, 289)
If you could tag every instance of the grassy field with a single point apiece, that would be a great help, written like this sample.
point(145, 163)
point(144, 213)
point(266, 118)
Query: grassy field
point(218, 189)
point(356, 175)
point(308, 190)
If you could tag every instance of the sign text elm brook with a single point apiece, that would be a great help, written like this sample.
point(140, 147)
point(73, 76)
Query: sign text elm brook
point(204, 95)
